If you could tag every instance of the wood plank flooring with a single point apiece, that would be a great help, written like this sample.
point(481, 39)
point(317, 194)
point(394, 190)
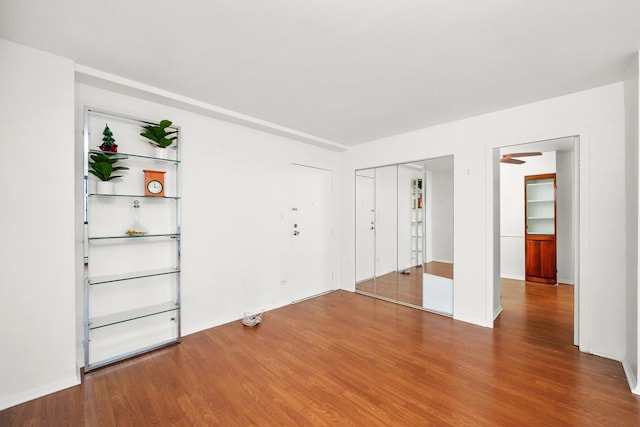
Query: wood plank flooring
point(348, 359)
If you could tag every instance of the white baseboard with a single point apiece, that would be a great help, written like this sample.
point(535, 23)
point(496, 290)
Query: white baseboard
point(512, 277)
point(34, 393)
point(631, 377)
point(497, 312)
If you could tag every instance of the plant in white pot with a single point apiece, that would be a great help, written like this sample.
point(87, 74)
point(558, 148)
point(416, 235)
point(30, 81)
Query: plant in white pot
point(103, 166)
point(159, 137)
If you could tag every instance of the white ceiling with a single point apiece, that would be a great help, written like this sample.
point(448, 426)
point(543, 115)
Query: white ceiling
point(347, 71)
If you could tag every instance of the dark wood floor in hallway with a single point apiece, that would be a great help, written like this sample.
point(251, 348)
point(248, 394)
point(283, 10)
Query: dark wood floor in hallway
point(347, 359)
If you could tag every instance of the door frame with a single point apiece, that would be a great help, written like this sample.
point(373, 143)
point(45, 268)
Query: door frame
point(580, 241)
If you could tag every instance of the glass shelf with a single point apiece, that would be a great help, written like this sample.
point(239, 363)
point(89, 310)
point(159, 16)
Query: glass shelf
point(137, 156)
point(539, 217)
point(137, 196)
point(130, 276)
point(541, 201)
point(124, 236)
point(126, 316)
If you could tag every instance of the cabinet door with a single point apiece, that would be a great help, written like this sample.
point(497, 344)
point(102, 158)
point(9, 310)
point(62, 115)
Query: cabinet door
point(540, 253)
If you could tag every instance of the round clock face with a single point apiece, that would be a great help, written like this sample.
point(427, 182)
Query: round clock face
point(154, 187)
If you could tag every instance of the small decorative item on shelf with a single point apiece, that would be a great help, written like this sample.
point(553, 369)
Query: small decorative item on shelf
point(102, 166)
point(108, 142)
point(136, 229)
point(159, 137)
point(153, 183)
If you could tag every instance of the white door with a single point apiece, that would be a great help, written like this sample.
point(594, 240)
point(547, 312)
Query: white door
point(311, 232)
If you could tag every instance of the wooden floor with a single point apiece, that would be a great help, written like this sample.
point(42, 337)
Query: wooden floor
point(348, 359)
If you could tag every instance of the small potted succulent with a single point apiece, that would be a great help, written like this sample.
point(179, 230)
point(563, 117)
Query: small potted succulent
point(103, 166)
point(108, 142)
point(158, 136)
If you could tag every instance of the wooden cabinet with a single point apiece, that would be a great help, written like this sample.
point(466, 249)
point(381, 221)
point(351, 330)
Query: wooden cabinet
point(540, 228)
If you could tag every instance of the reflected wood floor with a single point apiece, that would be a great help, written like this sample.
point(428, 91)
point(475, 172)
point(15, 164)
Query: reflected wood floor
point(405, 287)
point(437, 268)
point(348, 359)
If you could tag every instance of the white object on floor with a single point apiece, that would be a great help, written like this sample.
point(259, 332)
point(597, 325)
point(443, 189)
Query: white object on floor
point(437, 293)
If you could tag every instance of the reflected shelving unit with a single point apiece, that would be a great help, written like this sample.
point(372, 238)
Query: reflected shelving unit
point(131, 280)
point(417, 235)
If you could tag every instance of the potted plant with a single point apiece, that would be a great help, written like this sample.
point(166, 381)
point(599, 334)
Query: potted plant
point(108, 141)
point(159, 137)
point(103, 166)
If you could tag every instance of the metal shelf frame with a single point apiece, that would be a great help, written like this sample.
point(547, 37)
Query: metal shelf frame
point(102, 322)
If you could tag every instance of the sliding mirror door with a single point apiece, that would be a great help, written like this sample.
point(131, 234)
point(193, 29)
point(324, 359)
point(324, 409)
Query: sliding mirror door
point(365, 230)
point(404, 233)
point(410, 232)
point(386, 232)
point(438, 229)
point(376, 231)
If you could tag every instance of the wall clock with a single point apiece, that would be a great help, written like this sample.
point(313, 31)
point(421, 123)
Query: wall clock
point(153, 183)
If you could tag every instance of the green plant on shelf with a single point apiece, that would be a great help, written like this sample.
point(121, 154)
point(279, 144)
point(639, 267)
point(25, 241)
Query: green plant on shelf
point(104, 165)
point(158, 135)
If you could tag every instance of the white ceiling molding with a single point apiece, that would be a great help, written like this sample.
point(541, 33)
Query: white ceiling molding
point(101, 79)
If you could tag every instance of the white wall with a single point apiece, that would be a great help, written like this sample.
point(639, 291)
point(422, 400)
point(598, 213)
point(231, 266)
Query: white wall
point(597, 116)
point(632, 112)
point(37, 279)
point(512, 210)
point(236, 195)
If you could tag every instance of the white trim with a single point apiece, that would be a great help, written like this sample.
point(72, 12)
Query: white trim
point(97, 78)
point(631, 377)
point(497, 312)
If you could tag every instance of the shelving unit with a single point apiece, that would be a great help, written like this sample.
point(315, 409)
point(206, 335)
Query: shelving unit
point(540, 228)
point(416, 228)
point(540, 206)
point(131, 282)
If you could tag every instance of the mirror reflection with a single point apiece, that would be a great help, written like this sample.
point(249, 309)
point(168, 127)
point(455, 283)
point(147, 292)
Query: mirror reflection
point(386, 222)
point(365, 233)
point(404, 233)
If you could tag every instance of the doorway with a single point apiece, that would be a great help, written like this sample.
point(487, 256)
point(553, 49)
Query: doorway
point(559, 156)
point(311, 232)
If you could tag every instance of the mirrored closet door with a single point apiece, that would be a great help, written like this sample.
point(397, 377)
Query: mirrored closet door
point(404, 233)
point(365, 230)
